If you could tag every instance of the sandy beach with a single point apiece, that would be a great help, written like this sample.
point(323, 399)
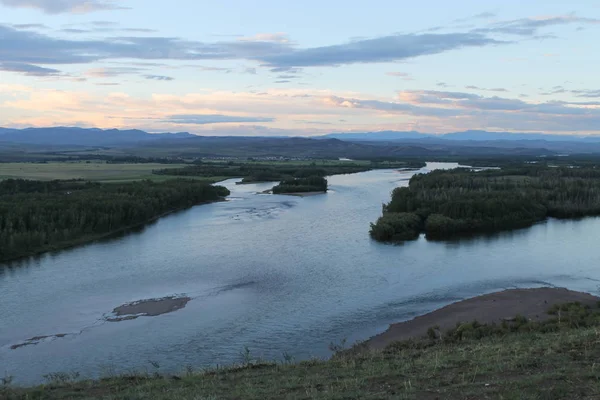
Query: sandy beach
point(494, 307)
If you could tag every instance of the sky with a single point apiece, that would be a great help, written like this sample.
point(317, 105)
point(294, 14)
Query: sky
point(273, 67)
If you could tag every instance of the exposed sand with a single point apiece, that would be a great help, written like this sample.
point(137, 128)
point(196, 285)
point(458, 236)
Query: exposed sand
point(142, 308)
point(37, 339)
point(148, 308)
point(494, 307)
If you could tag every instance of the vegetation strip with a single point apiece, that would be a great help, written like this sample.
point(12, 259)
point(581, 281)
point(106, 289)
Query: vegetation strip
point(265, 171)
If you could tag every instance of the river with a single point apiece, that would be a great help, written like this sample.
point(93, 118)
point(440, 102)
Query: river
point(276, 274)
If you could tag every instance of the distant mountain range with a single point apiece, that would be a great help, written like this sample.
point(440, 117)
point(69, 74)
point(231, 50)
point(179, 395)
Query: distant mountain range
point(367, 144)
point(465, 135)
point(59, 136)
point(115, 137)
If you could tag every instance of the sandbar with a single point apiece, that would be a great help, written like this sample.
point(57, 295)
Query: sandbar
point(495, 307)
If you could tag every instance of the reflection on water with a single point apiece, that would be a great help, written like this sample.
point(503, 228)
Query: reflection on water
point(274, 273)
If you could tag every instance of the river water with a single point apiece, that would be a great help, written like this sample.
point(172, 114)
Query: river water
point(276, 274)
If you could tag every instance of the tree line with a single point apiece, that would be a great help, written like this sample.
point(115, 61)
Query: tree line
point(444, 204)
point(257, 172)
point(38, 216)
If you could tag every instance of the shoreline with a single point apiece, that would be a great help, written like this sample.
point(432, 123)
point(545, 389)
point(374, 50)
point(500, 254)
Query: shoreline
point(94, 238)
point(302, 194)
point(489, 308)
point(296, 194)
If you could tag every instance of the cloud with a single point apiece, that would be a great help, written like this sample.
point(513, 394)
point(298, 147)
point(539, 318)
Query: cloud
point(29, 26)
point(486, 89)
point(27, 69)
point(437, 103)
point(433, 111)
point(530, 26)
point(278, 37)
point(139, 30)
point(393, 107)
point(283, 81)
point(274, 51)
point(159, 77)
point(586, 93)
point(402, 74)
point(314, 122)
point(201, 119)
point(483, 15)
point(459, 100)
point(109, 72)
point(105, 23)
point(75, 30)
point(383, 49)
point(456, 110)
point(555, 90)
point(405, 76)
point(215, 69)
point(280, 57)
point(291, 70)
point(64, 6)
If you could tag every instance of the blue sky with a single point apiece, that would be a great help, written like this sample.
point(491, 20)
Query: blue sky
point(301, 68)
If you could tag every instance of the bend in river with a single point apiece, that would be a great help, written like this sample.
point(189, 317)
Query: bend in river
point(277, 274)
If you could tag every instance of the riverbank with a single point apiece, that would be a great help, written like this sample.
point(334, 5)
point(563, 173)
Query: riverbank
point(303, 194)
point(554, 359)
point(498, 307)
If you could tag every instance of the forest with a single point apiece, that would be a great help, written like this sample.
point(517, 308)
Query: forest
point(39, 216)
point(302, 185)
point(445, 204)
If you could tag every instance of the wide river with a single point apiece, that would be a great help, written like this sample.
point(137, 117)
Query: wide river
point(276, 274)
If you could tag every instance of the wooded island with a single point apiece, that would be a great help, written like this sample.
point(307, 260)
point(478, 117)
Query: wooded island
point(445, 204)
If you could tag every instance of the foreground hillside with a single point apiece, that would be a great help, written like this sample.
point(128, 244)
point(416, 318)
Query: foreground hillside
point(517, 359)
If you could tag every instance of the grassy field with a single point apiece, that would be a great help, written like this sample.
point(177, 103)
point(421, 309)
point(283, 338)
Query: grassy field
point(93, 171)
point(560, 365)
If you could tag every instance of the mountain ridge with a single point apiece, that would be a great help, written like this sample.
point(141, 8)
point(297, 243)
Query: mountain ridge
point(64, 135)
